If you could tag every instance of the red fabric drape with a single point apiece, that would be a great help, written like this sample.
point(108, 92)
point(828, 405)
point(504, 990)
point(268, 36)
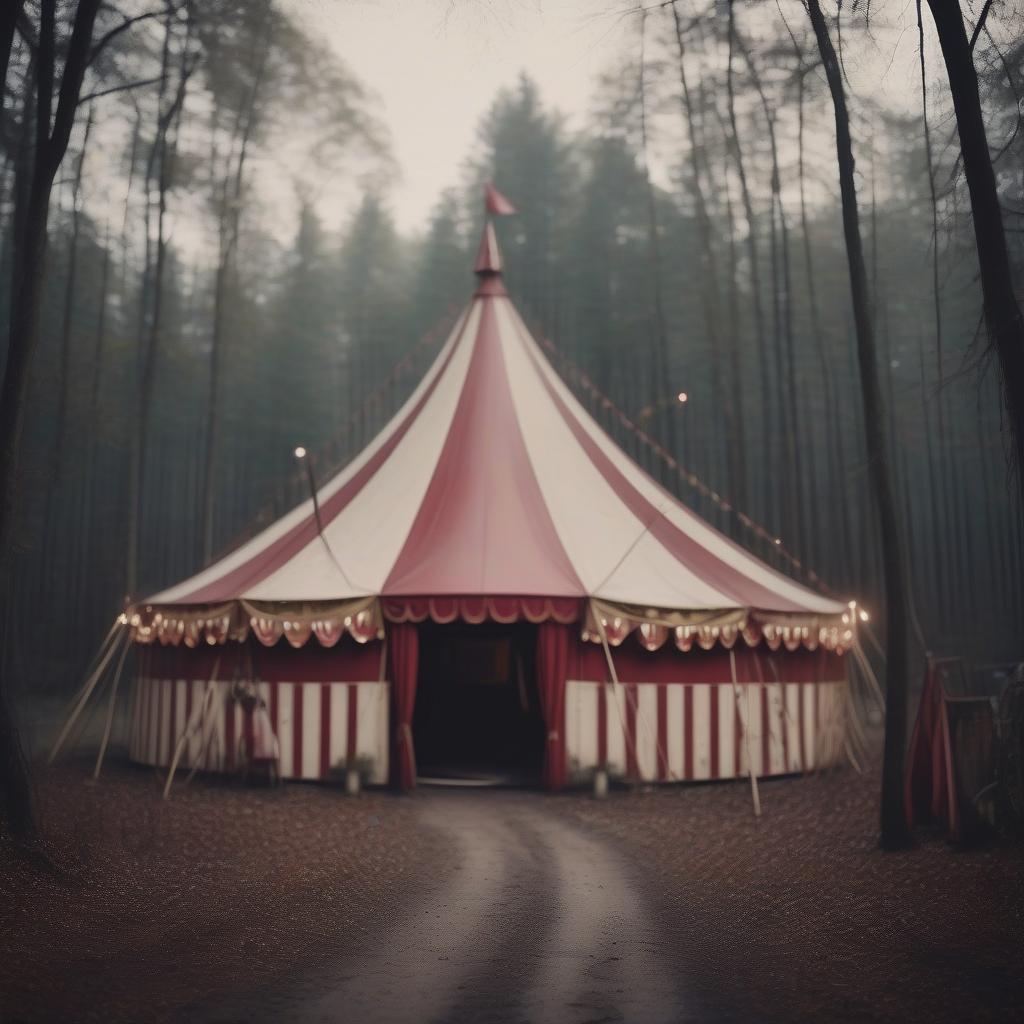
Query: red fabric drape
point(553, 644)
point(403, 661)
point(929, 786)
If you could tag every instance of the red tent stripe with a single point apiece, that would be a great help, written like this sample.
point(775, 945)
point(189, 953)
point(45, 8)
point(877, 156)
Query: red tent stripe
point(277, 553)
point(719, 574)
point(483, 526)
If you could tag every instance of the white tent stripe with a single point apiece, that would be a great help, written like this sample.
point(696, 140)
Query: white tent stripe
point(671, 507)
point(596, 529)
point(367, 535)
point(265, 538)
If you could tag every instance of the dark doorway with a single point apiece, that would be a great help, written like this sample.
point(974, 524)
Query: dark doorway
point(477, 712)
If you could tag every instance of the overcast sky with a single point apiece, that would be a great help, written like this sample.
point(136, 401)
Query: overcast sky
point(436, 66)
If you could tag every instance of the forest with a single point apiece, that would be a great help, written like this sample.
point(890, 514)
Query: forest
point(553, 749)
point(204, 311)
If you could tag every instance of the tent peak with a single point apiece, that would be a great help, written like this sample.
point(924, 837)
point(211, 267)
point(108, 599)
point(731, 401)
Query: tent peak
point(488, 255)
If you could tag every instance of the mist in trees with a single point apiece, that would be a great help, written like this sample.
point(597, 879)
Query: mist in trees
point(204, 307)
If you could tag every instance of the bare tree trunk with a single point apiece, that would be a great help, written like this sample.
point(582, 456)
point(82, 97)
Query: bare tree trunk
point(230, 210)
point(783, 318)
point(660, 370)
point(69, 301)
point(768, 505)
point(893, 822)
point(1002, 314)
point(733, 411)
point(834, 461)
point(9, 14)
point(26, 297)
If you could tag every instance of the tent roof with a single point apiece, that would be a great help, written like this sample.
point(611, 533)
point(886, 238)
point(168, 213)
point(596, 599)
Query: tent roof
point(493, 480)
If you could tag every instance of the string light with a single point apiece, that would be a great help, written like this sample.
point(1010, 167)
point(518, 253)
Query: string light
point(300, 452)
point(683, 397)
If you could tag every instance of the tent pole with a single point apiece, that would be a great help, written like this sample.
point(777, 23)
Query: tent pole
point(197, 718)
point(83, 697)
point(71, 707)
point(616, 685)
point(869, 674)
point(778, 742)
point(755, 795)
point(205, 733)
point(110, 712)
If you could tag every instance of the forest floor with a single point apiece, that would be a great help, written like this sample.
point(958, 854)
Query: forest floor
point(798, 915)
point(158, 906)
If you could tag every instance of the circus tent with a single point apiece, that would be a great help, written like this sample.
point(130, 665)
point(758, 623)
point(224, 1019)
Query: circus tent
point(656, 646)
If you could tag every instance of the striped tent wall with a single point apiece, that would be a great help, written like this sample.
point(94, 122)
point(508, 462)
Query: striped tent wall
point(321, 726)
point(676, 732)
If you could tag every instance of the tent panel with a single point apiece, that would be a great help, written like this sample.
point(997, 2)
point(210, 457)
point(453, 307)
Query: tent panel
point(711, 554)
point(609, 544)
point(226, 578)
point(483, 526)
point(366, 534)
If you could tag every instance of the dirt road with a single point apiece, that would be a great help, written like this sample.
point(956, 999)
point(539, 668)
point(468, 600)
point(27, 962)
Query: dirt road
point(539, 921)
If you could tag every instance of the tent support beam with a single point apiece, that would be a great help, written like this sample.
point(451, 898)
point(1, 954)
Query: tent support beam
point(754, 793)
point(114, 637)
point(190, 727)
point(110, 712)
point(616, 685)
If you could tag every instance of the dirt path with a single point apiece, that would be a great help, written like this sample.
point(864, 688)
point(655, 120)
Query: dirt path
point(540, 921)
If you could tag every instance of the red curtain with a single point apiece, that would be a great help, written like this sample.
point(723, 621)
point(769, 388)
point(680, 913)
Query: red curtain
point(929, 784)
point(403, 661)
point(554, 641)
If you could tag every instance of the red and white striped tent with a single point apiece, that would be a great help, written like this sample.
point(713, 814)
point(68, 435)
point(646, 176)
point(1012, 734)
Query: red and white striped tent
point(663, 650)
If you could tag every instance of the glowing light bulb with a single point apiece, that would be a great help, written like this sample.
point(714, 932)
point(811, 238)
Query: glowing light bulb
point(300, 452)
point(863, 615)
point(683, 397)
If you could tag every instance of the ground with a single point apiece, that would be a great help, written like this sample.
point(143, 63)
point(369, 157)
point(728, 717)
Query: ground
point(162, 903)
point(227, 904)
point(798, 915)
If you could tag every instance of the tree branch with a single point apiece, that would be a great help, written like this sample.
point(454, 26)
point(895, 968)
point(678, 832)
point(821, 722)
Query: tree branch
point(121, 88)
point(980, 25)
point(74, 72)
point(103, 41)
point(44, 74)
point(24, 28)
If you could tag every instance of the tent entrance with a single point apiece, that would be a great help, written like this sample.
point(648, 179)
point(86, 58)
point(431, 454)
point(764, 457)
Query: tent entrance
point(477, 715)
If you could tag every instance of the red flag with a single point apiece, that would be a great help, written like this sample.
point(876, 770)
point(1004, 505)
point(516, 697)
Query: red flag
point(495, 203)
